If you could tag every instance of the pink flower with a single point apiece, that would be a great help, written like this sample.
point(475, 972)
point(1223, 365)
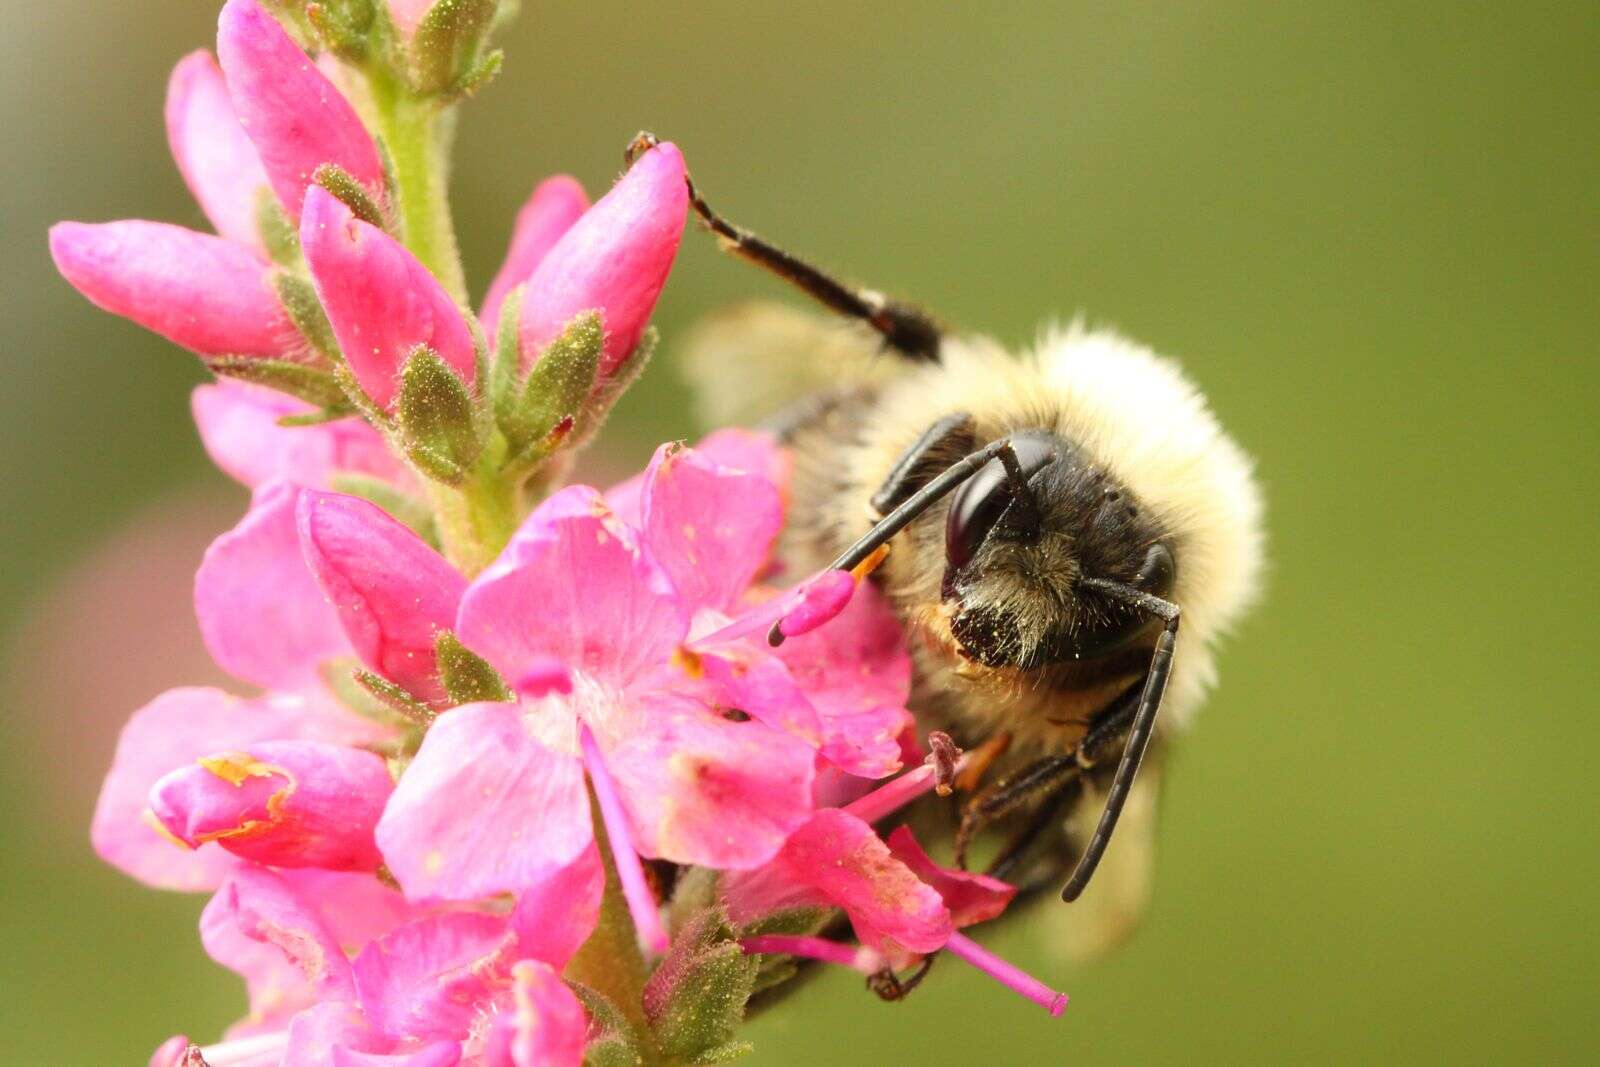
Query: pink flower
point(614, 259)
point(240, 429)
point(544, 1025)
point(218, 162)
point(555, 205)
point(380, 300)
point(293, 114)
point(176, 729)
point(281, 803)
point(391, 592)
point(205, 293)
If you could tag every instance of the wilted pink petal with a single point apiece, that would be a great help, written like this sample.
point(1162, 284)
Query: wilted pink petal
point(218, 162)
point(446, 833)
point(206, 293)
point(392, 592)
point(837, 859)
point(280, 803)
point(705, 790)
point(239, 427)
point(293, 114)
point(573, 585)
point(259, 927)
point(971, 898)
point(556, 914)
point(432, 978)
point(262, 615)
point(173, 730)
point(543, 1026)
point(550, 212)
point(711, 528)
point(381, 301)
point(614, 259)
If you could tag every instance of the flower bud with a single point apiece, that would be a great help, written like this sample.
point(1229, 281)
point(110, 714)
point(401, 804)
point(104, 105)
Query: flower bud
point(391, 591)
point(217, 160)
point(440, 38)
point(281, 803)
point(210, 295)
point(555, 205)
point(380, 300)
point(615, 259)
point(294, 115)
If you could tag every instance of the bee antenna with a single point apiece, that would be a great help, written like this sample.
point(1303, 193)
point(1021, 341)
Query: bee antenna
point(903, 328)
point(1144, 722)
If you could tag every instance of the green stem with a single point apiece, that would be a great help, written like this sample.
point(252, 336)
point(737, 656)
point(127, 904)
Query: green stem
point(476, 518)
point(418, 131)
point(610, 962)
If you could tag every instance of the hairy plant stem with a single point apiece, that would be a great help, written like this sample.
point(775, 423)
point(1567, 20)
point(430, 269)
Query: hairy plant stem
point(418, 132)
point(476, 519)
point(610, 962)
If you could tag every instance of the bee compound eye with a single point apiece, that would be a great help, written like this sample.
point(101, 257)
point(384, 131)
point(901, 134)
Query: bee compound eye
point(974, 511)
point(1158, 571)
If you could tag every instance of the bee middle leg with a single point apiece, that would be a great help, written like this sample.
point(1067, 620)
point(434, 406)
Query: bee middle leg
point(1036, 783)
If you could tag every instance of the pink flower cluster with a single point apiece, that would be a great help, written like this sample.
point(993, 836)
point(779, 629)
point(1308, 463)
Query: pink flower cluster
point(411, 830)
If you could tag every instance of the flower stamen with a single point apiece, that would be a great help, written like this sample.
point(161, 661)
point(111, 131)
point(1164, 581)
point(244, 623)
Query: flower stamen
point(630, 872)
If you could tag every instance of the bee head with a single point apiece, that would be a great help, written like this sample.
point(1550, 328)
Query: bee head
point(1019, 538)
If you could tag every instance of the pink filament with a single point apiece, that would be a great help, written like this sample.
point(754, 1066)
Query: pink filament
point(635, 889)
point(1007, 974)
point(856, 957)
point(888, 799)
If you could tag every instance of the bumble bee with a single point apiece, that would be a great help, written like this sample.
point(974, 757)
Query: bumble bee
point(1053, 521)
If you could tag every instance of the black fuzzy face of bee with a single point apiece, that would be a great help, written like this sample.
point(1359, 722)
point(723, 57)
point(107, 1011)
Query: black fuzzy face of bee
point(1016, 544)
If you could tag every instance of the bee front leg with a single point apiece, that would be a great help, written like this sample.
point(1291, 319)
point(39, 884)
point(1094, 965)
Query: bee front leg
point(1034, 783)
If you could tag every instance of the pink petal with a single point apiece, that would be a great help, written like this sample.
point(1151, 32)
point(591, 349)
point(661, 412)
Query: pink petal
point(750, 451)
point(296, 118)
point(259, 927)
point(711, 528)
point(392, 592)
point(239, 428)
point(262, 615)
point(544, 1025)
point(556, 914)
point(381, 301)
point(218, 162)
point(838, 859)
point(431, 979)
point(614, 259)
point(484, 808)
point(355, 906)
point(704, 790)
point(171, 731)
point(280, 803)
point(337, 1034)
point(857, 673)
point(550, 212)
point(971, 898)
point(434, 1054)
point(208, 294)
point(573, 585)
point(744, 676)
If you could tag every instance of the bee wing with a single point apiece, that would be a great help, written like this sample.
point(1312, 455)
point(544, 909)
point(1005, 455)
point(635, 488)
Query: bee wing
point(1111, 907)
point(750, 361)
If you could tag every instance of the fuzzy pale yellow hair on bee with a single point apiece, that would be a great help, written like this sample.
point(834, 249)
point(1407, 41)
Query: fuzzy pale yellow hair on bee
point(1050, 517)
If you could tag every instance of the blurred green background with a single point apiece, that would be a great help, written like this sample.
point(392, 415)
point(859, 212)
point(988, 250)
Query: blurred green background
point(1370, 230)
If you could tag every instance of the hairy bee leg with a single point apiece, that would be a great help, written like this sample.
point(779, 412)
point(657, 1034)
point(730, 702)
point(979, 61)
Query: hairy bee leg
point(903, 328)
point(1047, 816)
point(1038, 780)
point(890, 986)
